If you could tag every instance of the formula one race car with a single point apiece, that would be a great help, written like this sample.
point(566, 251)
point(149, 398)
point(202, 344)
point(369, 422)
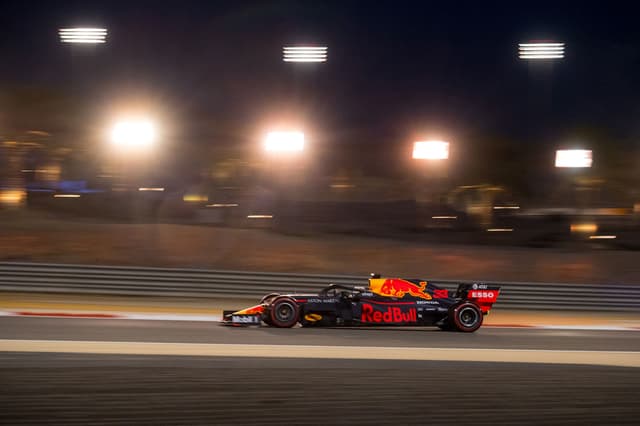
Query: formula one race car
point(385, 301)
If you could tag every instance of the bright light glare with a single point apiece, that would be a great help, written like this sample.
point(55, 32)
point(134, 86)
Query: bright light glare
point(284, 142)
point(541, 56)
point(584, 228)
point(430, 150)
point(157, 189)
point(305, 54)
point(12, 197)
point(133, 134)
point(574, 158)
point(66, 196)
point(83, 35)
point(541, 50)
point(541, 45)
point(195, 198)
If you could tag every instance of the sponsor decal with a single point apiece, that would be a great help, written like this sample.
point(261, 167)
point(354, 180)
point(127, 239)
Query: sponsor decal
point(313, 317)
point(391, 315)
point(313, 300)
point(485, 295)
point(245, 319)
point(477, 286)
point(395, 287)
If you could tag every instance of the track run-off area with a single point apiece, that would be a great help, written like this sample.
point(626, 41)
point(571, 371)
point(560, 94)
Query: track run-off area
point(203, 338)
point(128, 371)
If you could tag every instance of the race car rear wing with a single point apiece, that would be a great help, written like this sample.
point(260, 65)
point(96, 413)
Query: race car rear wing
point(482, 294)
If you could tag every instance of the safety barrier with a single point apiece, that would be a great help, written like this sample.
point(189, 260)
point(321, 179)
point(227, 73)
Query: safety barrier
point(197, 283)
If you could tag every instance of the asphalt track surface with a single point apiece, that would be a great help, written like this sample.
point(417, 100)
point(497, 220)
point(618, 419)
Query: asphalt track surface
point(86, 388)
point(207, 332)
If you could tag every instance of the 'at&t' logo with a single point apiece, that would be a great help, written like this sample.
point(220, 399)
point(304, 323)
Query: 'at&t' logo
point(391, 315)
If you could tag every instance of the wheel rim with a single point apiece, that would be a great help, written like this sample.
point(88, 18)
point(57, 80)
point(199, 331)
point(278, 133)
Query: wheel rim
point(285, 312)
point(468, 317)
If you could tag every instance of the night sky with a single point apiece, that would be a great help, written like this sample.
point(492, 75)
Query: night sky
point(396, 71)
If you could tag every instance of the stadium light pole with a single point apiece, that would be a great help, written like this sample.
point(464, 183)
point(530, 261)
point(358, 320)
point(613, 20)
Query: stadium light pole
point(133, 134)
point(285, 159)
point(132, 140)
point(574, 158)
point(541, 56)
point(431, 150)
point(541, 50)
point(434, 154)
point(83, 35)
point(284, 142)
point(304, 53)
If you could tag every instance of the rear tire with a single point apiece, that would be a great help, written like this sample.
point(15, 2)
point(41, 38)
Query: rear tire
point(466, 317)
point(284, 313)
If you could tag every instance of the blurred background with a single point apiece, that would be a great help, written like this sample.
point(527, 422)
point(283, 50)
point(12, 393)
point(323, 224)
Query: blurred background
point(406, 122)
point(211, 152)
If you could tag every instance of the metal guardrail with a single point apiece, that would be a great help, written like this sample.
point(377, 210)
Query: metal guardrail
point(141, 281)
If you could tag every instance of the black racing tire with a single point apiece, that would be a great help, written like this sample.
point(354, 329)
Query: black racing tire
point(284, 312)
point(269, 297)
point(466, 317)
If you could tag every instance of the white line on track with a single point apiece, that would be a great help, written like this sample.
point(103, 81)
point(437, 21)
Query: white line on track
point(534, 356)
point(173, 317)
point(112, 315)
point(589, 327)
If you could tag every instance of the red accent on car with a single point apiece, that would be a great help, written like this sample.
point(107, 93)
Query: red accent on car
point(440, 293)
point(485, 298)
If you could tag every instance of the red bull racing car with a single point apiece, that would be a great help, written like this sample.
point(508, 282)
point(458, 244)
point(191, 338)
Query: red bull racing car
point(385, 301)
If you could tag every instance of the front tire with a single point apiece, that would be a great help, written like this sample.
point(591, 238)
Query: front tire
point(284, 312)
point(266, 300)
point(269, 297)
point(466, 317)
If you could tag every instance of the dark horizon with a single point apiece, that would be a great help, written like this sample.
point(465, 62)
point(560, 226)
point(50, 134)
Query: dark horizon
point(393, 68)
